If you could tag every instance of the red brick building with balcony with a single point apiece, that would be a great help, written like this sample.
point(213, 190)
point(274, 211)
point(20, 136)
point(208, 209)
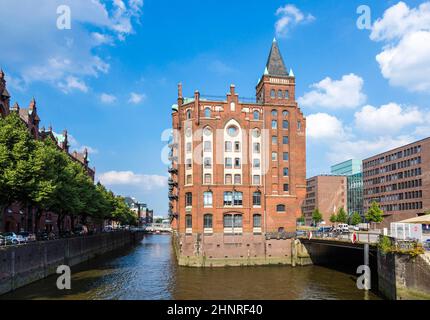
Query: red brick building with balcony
point(238, 169)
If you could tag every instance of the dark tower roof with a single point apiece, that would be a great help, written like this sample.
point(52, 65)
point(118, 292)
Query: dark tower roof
point(275, 64)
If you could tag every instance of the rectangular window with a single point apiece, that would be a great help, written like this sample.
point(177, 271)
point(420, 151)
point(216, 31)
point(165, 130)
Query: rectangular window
point(237, 146)
point(286, 187)
point(274, 124)
point(228, 146)
point(299, 125)
point(237, 179)
point(256, 180)
point(285, 124)
point(207, 146)
point(188, 147)
point(189, 179)
point(285, 172)
point(188, 221)
point(228, 198)
point(207, 221)
point(208, 163)
point(189, 164)
point(207, 199)
point(274, 140)
point(256, 147)
point(256, 199)
point(237, 163)
point(188, 199)
point(285, 156)
point(228, 179)
point(274, 156)
point(228, 163)
point(285, 139)
point(237, 198)
point(257, 221)
point(256, 163)
point(208, 178)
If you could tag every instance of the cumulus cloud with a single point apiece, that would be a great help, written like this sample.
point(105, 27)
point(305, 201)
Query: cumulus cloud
point(129, 178)
point(405, 56)
point(344, 93)
point(136, 98)
point(107, 98)
point(38, 51)
point(389, 118)
point(324, 126)
point(289, 16)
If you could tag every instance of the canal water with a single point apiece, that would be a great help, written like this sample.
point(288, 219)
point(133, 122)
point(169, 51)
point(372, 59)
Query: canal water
point(149, 271)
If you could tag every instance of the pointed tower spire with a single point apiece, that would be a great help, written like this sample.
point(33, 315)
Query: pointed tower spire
point(291, 74)
point(32, 105)
point(275, 64)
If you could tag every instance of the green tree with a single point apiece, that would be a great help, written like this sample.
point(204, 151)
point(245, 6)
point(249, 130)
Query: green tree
point(301, 220)
point(355, 219)
point(317, 216)
point(342, 216)
point(374, 214)
point(333, 218)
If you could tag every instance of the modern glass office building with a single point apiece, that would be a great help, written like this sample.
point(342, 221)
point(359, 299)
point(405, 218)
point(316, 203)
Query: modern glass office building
point(352, 169)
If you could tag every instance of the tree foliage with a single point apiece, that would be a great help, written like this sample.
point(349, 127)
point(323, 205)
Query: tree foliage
point(39, 174)
point(342, 216)
point(374, 214)
point(333, 218)
point(355, 219)
point(316, 216)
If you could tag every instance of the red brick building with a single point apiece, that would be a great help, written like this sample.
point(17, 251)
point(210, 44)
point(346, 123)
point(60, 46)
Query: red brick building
point(238, 168)
point(399, 180)
point(16, 217)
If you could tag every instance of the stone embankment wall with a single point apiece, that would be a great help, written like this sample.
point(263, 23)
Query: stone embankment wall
point(24, 264)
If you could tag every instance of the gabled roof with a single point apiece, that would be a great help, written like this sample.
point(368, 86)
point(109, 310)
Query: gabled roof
point(275, 65)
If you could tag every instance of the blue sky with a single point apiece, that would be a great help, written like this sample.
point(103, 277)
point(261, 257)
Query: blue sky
point(111, 79)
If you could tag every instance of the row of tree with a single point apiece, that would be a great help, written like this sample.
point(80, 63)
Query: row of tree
point(39, 175)
point(374, 214)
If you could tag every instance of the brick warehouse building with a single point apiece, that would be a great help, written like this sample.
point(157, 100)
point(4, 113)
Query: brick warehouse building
point(238, 171)
point(399, 180)
point(17, 217)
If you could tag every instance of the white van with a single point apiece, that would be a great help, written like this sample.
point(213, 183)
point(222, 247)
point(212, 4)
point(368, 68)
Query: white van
point(343, 227)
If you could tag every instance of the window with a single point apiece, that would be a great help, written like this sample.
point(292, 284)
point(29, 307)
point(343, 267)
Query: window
point(285, 140)
point(275, 140)
point(232, 131)
point(256, 133)
point(286, 187)
point(233, 223)
point(208, 163)
point(207, 221)
point(287, 94)
point(256, 180)
point(256, 115)
point(237, 179)
point(188, 147)
point(237, 146)
point(207, 113)
point(228, 163)
point(228, 179)
point(274, 156)
point(189, 179)
point(279, 94)
point(237, 163)
point(256, 163)
point(237, 221)
point(256, 198)
point(285, 172)
point(189, 164)
point(228, 221)
point(274, 113)
point(256, 147)
point(273, 93)
point(188, 132)
point(228, 146)
point(207, 199)
point(257, 221)
point(188, 115)
point(208, 178)
point(299, 125)
point(228, 198)
point(207, 147)
point(280, 208)
point(188, 221)
point(237, 198)
point(285, 124)
point(285, 113)
point(207, 131)
point(274, 124)
point(188, 199)
point(285, 156)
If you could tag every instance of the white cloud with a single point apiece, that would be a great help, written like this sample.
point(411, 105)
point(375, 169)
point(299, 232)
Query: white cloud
point(389, 118)
point(136, 98)
point(107, 98)
point(328, 93)
point(38, 51)
point(129, 178)
point(73, 83)
point(405, 56)
point(289, 16)
point(324, 126)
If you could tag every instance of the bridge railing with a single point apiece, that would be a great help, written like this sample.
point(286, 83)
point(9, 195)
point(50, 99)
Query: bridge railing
point(341, 236)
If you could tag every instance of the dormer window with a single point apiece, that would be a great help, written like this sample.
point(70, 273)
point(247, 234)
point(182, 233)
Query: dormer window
point(256, 115)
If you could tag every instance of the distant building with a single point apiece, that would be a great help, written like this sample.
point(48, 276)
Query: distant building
point(352, 169)
point(327, 193)
point(143, 214)
point(399, 180)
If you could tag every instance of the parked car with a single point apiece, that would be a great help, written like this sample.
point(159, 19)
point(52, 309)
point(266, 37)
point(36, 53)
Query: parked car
point(45, 235)
point(354, 228)
point(325, 229)
point(2, 240)
point(342, 227)
point(13, 238)
point(28, 237)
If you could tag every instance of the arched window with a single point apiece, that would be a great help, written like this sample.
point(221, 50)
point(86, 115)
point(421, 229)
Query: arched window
point(256, 221)
point(279, 94)
point(188, 221)
point(207, 199)
point(274, 113)
point(273, 93)
point(256, 198)
point(285, 113)
point(280, 208)
point(188, 115)
point(207, 131)
point(256, 133)
point(287, 94)
point(207, 113)
point(256, 115)
point(232, 223)
point(207, 221)
point(232, 131)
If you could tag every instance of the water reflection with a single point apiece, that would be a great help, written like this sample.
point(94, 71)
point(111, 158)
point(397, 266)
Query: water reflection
point(149, 271)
